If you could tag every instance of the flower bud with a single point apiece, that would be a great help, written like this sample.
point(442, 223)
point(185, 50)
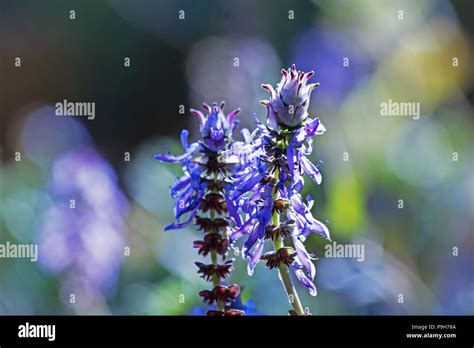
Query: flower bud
point(288, 106)
point(216, 128)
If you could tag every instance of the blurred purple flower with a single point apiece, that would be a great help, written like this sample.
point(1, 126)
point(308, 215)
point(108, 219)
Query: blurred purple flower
point(83, 231)
point(340, 62)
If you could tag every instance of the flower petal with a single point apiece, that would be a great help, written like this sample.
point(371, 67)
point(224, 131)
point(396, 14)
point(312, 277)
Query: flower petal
point(297, 204)
point(188, 201)
point(306, 282)
point(231, 116)
point(311, 127)
point(241, 231)
point(250, 242)
point(310, 169)
point(248, 184)
point(255, 257)
point(246, 135)
point(184, 138)
point(304, 257)
point(233, 210)
point(167, 157)
point(320, 228)
point(199, 115)
point(180, 184)
point(310, 201)
point(179, 225)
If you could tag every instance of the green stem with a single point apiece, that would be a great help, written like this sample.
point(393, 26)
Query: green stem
point(282, 268)
point(215, 279)
point(287, 283)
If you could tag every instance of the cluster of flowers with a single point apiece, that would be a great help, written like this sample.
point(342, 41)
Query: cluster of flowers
point(255, 185)
point(201, 191)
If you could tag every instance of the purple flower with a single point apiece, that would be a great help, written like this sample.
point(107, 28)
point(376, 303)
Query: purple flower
point(305, 222)
point(203, 190)
point(188, 190)
point(274, 161)
point(216, 128)
point(307, 282)
point(190, 150)
point(83, 231)
point(198, 158)
point(288, 105)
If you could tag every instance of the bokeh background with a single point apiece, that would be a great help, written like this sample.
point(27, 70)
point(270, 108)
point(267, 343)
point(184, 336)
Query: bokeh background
point(224, 50)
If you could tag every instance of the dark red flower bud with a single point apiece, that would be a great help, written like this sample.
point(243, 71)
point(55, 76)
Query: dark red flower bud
point(212, 241)
point(284, 255)
point(207, 296)
point(211, 225)
point(224, 270)
point(225, 294)
point(215, 185)
point(284, 230)
point(213, 201)
point(208, 271)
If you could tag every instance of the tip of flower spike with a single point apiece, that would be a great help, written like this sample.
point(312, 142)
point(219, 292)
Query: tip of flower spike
point(207, 107)
point(170, 227)
point(222, 105)
point(161, 156)
point(198, 114)
point(308, 75)
point(231, 116)
point(269, 88)
point(292, 73)
point(313, 86)
point(215, 108)
point(284, 72)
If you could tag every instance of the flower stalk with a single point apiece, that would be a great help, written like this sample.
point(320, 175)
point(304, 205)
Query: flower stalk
point(214, 259)
point(269, 186)
point(200, 197)
point(284, 275)
point(252, 188)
